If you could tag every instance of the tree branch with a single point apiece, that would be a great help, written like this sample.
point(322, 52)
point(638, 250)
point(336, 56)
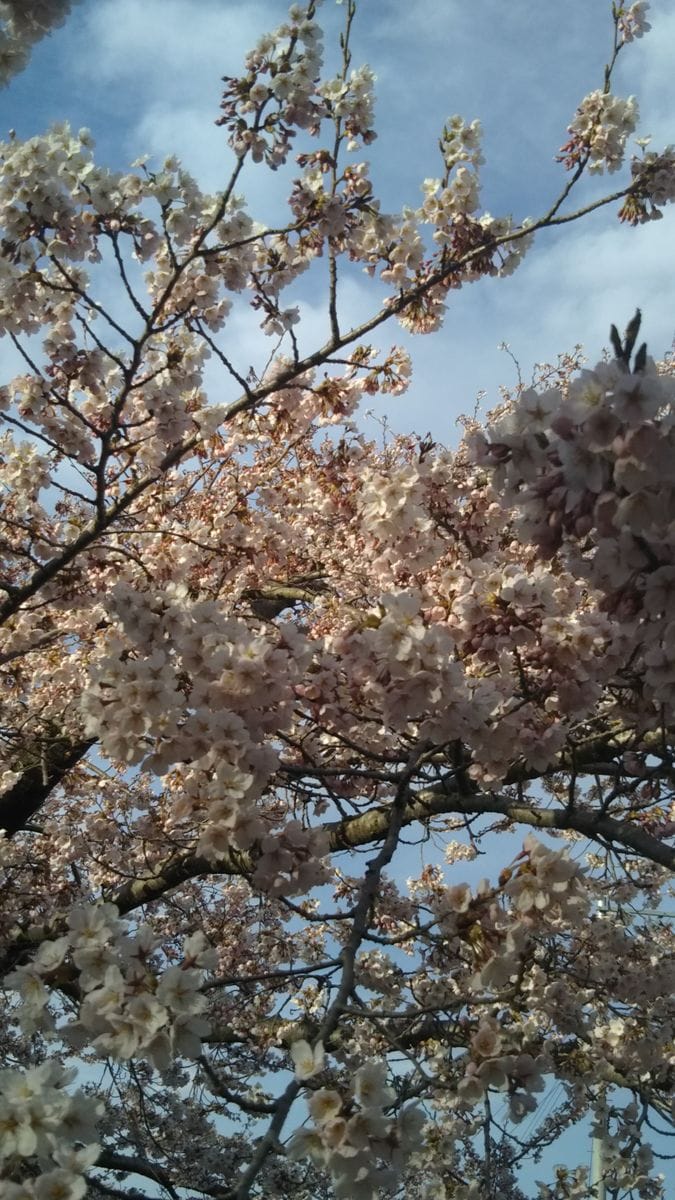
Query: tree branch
point(53, 759)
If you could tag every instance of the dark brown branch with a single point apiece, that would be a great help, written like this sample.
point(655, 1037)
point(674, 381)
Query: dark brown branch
point(52, 759)
point(135, 1165)
point(219, 1088)
point(432, 802)
point(621, 834)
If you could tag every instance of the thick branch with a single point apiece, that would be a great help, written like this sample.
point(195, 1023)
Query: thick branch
point(435, 802)
point(53, 760)
point(432, 802)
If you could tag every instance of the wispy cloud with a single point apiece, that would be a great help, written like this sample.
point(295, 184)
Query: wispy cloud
point(176, 48)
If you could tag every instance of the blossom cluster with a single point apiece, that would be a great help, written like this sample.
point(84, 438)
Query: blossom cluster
point(25, 22)
point(55, 200)
point(469, 245)
point(351, 101)
point(58, 208)
point(46, 1132)
point(278, 92)
point(179, 679)
point(599, 132)
point(456, 194)
point(129, 1006)
point(544, 889)
point(181, 682)
point(23, 471)
point(291, 861)
point(654, 186)
point(355, 1139)
point(592, 475)
point(632, 21)
point(512, 1048)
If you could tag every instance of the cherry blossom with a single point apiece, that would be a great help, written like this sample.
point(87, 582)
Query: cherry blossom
point(276, 691)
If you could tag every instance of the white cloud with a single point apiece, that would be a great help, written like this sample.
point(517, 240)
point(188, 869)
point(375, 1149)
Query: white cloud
point(178, 48)
point(158, 66)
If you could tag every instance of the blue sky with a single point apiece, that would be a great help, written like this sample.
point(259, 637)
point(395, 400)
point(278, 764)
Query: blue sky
point(145, 77)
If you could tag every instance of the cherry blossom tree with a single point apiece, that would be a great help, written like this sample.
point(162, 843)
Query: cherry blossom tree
point(250, 657)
